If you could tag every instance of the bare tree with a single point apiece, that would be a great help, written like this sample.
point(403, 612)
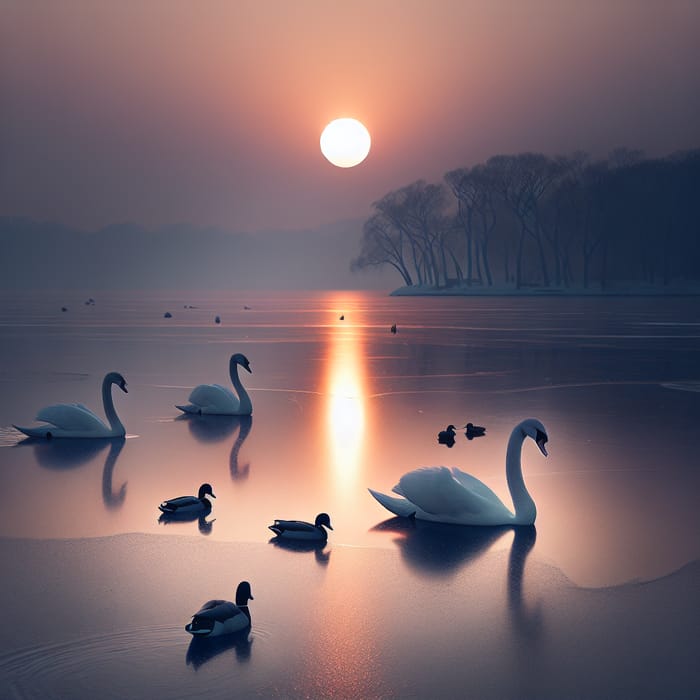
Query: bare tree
point(476, 212)
point(382, 244)
point(522, 181)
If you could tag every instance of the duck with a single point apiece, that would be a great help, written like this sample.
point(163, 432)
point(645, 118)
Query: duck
point(447, 436)
point(189, 505)
point(473, 431)
point(74, 420)
point(219, 617)
point(444, 495)
point(214, 399)
point(300, 530)
point(393, 328)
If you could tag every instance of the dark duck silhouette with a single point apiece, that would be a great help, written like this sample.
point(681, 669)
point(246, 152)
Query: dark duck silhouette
point(217, 617)
point(474, 431)
point(300, 530)
point(447, 436)
point(185, 506)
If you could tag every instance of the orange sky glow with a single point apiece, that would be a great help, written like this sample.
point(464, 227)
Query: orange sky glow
point(210, 112)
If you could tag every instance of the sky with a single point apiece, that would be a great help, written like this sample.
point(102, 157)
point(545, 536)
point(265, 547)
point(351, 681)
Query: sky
point(210, 111)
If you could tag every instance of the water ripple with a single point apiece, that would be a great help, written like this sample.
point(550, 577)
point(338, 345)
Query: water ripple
point(155, 661)
point(93, 666)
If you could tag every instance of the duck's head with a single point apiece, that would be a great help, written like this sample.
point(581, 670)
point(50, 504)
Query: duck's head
point(243, 593)
point(116, 378)
point(323, 519)
point(205, 490)
point(534, 429)
point(240, 359)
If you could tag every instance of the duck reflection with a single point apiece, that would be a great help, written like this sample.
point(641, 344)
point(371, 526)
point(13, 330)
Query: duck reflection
point(321, 554)
point(69, 454)
point(203, 525)
point(210, 429)
point(438, 548)
point(202, 650)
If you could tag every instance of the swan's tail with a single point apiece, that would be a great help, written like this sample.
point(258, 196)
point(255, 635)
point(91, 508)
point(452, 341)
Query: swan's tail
point(398, 506)
point(43, 431)
point(189, 408)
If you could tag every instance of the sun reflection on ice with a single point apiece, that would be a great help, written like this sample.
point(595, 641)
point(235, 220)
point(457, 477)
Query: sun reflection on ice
point(346, 410)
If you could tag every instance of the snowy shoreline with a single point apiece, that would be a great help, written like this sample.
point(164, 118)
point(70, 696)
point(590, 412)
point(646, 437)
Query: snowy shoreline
point(504, 291)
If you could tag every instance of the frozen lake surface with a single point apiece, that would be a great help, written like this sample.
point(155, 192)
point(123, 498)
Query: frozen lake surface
point(600, 599)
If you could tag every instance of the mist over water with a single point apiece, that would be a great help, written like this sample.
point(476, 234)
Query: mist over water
point(339, 406)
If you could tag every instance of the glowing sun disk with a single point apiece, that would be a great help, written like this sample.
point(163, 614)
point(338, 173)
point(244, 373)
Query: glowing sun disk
point(345, 142)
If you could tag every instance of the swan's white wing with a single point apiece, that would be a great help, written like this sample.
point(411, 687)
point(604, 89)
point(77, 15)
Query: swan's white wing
point(436, 491)
point(71, 416)
point(213, 395)
point(471, 483)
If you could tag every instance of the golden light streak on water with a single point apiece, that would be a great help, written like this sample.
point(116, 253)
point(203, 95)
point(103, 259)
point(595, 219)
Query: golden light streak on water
point(346, 406)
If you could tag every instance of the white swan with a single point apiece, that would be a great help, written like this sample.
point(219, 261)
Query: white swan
point(214, 399)
point(453, 496)
point(73, 420)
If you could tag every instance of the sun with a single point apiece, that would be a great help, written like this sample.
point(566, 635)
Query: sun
point(345, 142)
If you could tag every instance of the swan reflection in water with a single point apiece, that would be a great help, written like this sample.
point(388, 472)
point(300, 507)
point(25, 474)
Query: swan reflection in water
point(211, 429)
point(527, 621)
point(70, 454)
point(318, 547)
point(438, 549)
point(202, 650)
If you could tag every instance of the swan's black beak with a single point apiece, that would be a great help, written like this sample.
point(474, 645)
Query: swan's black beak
point(123, 388)
point(541, 439)
point(247, 367)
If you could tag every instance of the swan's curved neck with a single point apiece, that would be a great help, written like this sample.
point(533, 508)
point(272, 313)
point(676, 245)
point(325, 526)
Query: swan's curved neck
point(114, 423)
point(525, 509)
point(245, 403)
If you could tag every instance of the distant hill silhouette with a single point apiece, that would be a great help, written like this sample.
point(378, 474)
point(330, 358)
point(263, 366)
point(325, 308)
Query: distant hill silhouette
point(43, 255)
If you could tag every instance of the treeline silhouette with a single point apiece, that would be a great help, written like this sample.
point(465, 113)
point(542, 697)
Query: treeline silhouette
point(533, 220)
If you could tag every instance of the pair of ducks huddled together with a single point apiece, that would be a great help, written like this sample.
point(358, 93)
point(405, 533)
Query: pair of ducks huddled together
point(74, 420)
point(219, 617)
point(448, 435)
